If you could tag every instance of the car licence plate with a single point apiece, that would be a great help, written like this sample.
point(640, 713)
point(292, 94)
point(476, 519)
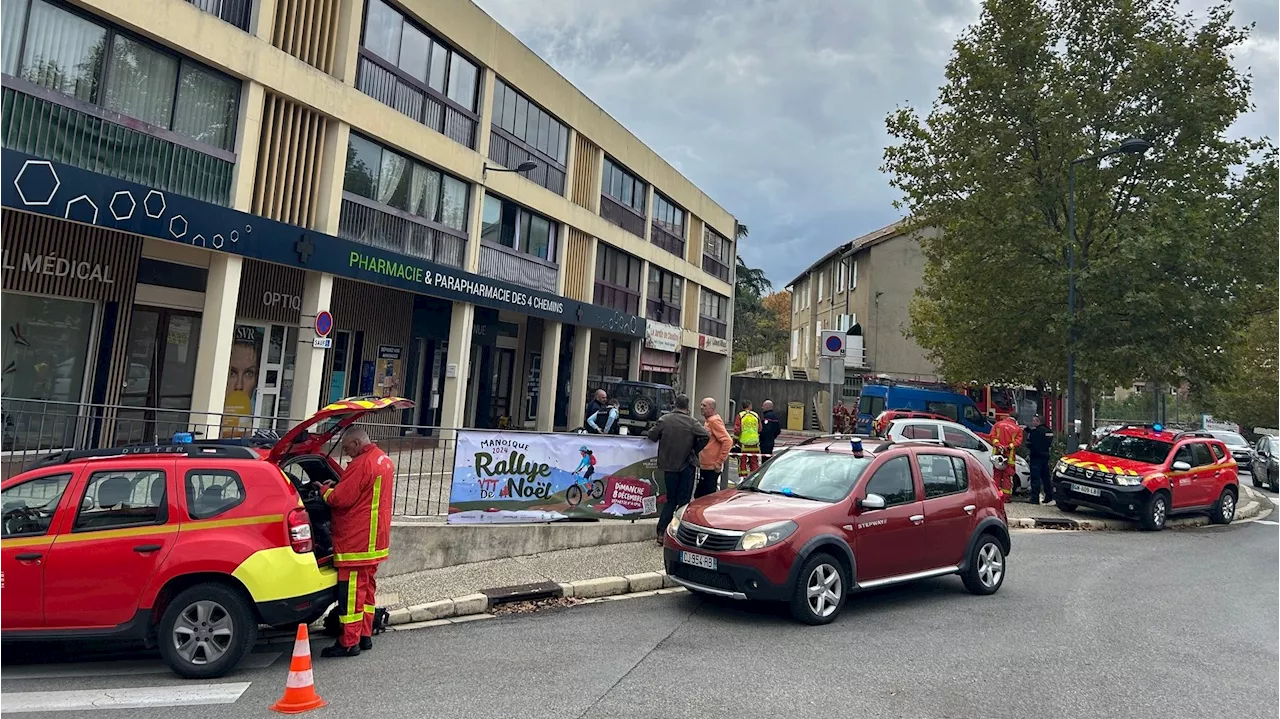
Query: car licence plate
point(1082, 489)
point(698, 560)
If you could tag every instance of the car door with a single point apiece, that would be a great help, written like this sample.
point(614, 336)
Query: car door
point(125, 523)
point(948, 508)
point(1212, 469)
point(889, 542)
point(970, 443)
point(32, 511)
point(1182, 482)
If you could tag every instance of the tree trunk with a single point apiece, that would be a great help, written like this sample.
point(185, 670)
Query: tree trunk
point(1085, 396)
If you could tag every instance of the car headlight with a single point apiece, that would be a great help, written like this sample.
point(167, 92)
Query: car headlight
point(767, 535)
point(1061, 468)
point(1127, 480)
point(675, 522)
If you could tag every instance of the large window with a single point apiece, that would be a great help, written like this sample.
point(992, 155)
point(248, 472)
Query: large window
point(666, 296)
point(717, 253)
point(624, 187)
point(713, 312)
point(529, 123)
point(419, 55)
point(617, 279)
point(668, 216)
point(505, 223)
point(83, 58)
point(389, 178)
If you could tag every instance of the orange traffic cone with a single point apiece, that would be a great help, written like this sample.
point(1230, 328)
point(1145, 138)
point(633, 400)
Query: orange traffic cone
point(300, 688)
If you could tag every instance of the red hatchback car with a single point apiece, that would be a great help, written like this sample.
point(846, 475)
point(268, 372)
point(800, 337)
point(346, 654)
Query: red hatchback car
point(823, 519)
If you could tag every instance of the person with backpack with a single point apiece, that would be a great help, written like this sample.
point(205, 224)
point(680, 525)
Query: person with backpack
point(587, 466)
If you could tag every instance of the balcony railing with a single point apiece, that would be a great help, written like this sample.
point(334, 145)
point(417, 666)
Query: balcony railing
point(666, 240)
point(621, 215)
point(660, 311)
point(62, 129)
point(617, 298)
point(510, 152)
point(715, 267)
point(503, 263)
point(367, 223)
point(393, 88)
point(713, 327)
point(236, 12)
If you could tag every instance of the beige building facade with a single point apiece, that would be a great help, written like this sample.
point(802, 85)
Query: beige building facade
point(486, 240)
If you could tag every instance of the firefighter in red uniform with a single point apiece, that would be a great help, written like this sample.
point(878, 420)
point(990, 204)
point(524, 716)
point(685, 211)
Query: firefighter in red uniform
point(361, 506)
point(1006, 437)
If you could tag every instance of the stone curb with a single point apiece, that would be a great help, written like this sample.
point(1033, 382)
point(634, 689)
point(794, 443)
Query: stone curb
point(1252, 508)
point(477, 606)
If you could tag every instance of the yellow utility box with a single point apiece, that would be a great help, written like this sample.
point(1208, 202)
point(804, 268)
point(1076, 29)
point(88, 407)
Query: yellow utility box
point(795, 416)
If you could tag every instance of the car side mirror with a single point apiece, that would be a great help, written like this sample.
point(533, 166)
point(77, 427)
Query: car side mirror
point(871, 501)
point(1084, 447)
point(1181, 466)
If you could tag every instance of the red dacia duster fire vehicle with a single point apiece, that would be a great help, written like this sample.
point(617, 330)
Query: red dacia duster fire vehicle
point(1149, 473)
point(188, 547)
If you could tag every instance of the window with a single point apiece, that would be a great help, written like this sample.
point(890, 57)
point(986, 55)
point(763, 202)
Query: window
point(618, 269)
point(893, 482)
point(717, 253)
point(917, 430)
point(623, 186)
point(122, 499)
point(462, 81)
point(389, 178)
point(1139, 449)
point(1183, 455)
point(812, 475)
point(842, 267)
point(961, 439)
point(212, 492)
point(419, 55)
point(853, 276)
point(939, 474)
point(539, 130)
point(822, 285)
point(713, 310)
point(971, 414)
point(666, 296)
point(871, 405)
point(668, 216)
point(946, 409)
point(1218, 453)
point(1200, 450)
point(96, 63)
point(510, 225)
point(29, 507)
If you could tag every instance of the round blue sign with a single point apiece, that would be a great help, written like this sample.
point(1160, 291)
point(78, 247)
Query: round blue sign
point(324, 323)
point(834, 343)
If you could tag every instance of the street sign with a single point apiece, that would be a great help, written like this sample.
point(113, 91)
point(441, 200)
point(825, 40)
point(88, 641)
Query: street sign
point(831, 370)
point(832, 343)
point(324, 324)
point(322, 343)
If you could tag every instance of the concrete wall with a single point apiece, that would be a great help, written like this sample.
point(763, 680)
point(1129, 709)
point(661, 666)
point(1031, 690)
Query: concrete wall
point(781, 391)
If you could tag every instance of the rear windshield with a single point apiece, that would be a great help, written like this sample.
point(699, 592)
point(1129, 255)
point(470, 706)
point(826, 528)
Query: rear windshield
point(809, 475)
point(1138, 449)
point(1231, 439)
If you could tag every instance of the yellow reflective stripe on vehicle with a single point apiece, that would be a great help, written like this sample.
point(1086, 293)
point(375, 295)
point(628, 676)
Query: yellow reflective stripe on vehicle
point(117, 533)
point(361, 556)
point(25, 541)
point(356, 615)
point(237, 522)
point(151, 531)
point(373, 513)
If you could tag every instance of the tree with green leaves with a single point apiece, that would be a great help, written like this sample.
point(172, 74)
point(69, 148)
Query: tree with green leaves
point(755, 327)
point(1173, 248)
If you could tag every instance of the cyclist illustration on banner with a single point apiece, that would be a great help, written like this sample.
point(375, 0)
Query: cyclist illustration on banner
point(586, 468)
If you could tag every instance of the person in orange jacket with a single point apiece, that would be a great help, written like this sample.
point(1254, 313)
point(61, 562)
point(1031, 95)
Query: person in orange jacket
point(711, 459)
point(1006, 437)
point(361, 505)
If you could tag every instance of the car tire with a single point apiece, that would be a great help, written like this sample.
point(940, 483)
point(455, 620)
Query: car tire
point(207, 610)
point(1065, 506)
point(1224, 510)
point(1155, 512)
point(643, 408)
point(986, 570)
point(819, 577)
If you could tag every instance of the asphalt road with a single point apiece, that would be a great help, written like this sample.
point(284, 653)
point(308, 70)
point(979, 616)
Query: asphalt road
point(1088, 624)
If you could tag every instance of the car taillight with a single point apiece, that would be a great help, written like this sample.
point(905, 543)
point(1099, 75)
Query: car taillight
point(299, 523)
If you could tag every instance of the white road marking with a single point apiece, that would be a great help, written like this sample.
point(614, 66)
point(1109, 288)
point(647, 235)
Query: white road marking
point(115, 669)
point(136, 698)
point(1269, 522)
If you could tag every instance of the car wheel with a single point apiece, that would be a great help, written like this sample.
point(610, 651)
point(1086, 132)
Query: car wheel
point(820, 590)
point(1224, 510)
point(642, 408)
point(1064, 506)
point(1155, 512)
point(986, 569)
point(206, 630)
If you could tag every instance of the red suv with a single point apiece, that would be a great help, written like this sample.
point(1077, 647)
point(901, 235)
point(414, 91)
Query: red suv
point(822, 519)
point(188, 547)
point(1148, 473)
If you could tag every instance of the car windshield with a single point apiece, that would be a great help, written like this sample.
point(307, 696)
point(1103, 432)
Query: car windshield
point(1138, 449)
point(825, 477)
point(1231, 439)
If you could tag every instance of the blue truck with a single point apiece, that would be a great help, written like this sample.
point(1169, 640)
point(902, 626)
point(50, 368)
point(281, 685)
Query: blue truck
point(877, 398)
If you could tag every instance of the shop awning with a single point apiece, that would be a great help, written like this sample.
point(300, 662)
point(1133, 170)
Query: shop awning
point(658, 361)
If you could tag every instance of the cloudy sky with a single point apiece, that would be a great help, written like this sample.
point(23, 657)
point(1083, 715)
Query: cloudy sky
point(776, 108)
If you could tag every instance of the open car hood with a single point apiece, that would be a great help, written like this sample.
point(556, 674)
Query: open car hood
point(328, 423)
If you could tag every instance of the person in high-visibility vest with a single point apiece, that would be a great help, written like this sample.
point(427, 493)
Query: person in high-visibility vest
point(746, 428)
point(1006, 437)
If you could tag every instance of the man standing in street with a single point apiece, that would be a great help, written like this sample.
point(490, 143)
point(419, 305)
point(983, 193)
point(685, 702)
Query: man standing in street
point(747, 429)
point(1006, 437)
point(597, 403)
point(711, 459)
point(361, 515)
point(680, 438)
point(604, 421)
point(770, 428)
point(1039, 442)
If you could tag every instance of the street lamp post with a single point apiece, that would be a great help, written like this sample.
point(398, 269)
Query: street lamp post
point(1131, 146)
point(526, 166)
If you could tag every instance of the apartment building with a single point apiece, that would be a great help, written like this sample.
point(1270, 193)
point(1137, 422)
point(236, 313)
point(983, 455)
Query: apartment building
point(187, 186)
point(864, 287)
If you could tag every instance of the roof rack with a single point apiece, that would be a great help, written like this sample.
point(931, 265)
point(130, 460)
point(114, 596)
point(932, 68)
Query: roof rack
point(890, 443)
point(1202, 434)
point(832, 438)
point(187, 450)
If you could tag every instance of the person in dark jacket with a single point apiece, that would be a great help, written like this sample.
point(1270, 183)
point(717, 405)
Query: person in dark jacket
point(680, 438)
point(598, 402)
point(605, 421)
point(1039, 442)
point(770, 428)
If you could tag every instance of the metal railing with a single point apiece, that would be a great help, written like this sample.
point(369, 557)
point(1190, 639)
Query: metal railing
point(236, 12)
point(391, 87)
point(510, 152)
point(514, 266)
point(401, 232)
point(621, 215)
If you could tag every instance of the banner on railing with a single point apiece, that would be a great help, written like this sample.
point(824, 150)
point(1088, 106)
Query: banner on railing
point(529, 477)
